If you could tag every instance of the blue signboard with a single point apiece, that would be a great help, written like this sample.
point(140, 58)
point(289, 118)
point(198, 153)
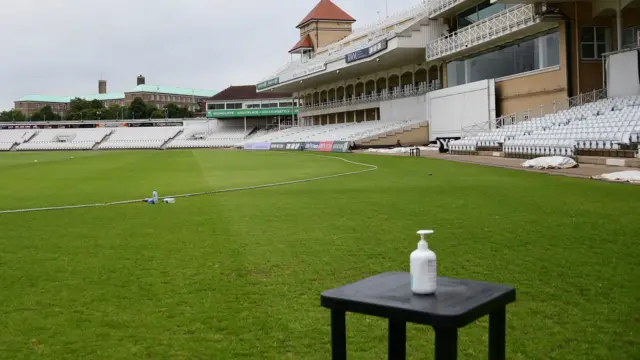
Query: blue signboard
point(366, 52)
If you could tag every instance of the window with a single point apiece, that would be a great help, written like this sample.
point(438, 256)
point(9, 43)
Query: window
point(234, 106)
point(215, 106)
point(594, 41)
point(479, 12)
point(269, 105)
point(524, 56)
point(285, 104)
point(630, 37)
point(253, 106)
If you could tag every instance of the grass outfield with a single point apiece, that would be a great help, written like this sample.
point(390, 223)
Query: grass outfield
point(239, 275)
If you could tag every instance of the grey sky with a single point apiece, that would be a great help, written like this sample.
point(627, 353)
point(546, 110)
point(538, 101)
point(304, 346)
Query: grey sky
point(63, 47)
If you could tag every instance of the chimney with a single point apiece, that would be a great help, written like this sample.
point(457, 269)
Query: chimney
point(102, 87)
point(141, 80)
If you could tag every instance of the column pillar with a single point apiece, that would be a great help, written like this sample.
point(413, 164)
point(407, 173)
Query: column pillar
point(619, 23)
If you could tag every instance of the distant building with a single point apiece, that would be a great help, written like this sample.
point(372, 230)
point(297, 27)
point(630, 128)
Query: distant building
point(151, 94)
point(265, 109)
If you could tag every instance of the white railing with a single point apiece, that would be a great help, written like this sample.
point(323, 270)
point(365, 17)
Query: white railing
point(497, 25)
point(538, 111)
point(391, 20)
point(438, 6)
point(407, 91)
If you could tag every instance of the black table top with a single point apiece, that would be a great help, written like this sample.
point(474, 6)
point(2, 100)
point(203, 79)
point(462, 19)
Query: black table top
point(456, 302)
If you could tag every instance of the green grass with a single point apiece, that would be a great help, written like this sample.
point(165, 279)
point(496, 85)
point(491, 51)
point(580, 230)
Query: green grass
point(239, 275)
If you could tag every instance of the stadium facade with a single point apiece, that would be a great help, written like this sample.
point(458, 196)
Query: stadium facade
point(453, 63)
point(268, 110)
point(152, 94)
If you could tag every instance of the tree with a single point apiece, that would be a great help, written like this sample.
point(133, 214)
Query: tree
point(113, 112)
point(157, 114)
point(36, 116)
point(81, 109)
point(172, 110)
point(12, 116)
point(139, 109)
point(48, 114)
point(96, 104)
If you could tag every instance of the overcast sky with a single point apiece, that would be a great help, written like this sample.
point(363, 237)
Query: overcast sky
point(63, 47)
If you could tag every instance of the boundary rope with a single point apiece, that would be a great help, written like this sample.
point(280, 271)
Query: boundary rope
point(369, 167)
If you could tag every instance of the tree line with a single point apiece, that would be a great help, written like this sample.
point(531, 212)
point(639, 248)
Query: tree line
point(80, 109)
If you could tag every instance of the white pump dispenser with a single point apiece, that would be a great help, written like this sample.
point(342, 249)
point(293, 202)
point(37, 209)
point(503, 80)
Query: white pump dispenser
point(423, 267)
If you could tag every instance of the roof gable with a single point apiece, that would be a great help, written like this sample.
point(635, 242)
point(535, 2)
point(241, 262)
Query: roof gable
point(326, 10)
point(304, 43)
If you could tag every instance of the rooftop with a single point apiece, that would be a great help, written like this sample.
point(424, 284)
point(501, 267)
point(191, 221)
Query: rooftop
point(104, 97)
point(304, 43)
point(172, 90)
point(247, 92)
point(326, 10)
point(120, 96)
point(46, 99)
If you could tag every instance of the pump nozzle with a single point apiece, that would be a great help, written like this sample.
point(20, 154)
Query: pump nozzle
point(422, 233)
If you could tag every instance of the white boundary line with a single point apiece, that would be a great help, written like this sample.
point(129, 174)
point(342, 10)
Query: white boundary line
point(369, 168)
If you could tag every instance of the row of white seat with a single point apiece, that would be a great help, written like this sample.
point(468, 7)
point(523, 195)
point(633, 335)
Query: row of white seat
point(131, 144)
point(207, 143)
point(607, 124)
point(38, 146)
point(335, 132)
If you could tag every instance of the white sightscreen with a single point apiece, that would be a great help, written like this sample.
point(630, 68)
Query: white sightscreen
point(623, 77)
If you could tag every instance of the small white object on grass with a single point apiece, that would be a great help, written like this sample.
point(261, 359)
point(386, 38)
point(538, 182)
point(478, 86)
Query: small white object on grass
point(168, 200)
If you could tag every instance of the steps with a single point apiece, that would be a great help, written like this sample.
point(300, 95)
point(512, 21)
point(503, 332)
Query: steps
point(166, 143)
point(14, 147)
point(104, 139)
point(416, 134)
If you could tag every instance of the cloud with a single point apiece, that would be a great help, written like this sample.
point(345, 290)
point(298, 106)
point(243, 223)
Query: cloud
point(64, 47)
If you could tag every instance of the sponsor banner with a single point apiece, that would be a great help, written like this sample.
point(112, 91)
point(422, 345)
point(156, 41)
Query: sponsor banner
point(443, 143)
point(251, 112)
point(340, 146)
point(366, 52)
point(257, 146)
point(311, 145)
point(310, 70)
point(278, 146)
point(325, 146)
point(320, 146)
point(267, 84)
point(294, 146)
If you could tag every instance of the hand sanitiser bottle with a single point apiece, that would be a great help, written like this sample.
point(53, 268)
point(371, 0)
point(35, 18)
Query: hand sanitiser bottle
point(423, 267)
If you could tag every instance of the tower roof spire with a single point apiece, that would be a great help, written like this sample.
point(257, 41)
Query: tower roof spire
point(328, 11)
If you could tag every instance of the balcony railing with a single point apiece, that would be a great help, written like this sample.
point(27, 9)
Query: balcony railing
point(438, 6)
point(497, 25)
point(385, 95)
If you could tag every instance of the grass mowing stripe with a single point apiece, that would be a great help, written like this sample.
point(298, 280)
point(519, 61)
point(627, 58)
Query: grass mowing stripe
point(253, 187)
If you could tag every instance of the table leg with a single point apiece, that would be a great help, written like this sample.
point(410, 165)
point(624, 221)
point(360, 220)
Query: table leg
point(497, 334)
point(446, 343)
point(397, 340)
point(338, 335)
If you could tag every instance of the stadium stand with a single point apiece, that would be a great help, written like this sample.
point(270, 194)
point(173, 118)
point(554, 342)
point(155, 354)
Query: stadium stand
point(608, 127)
point(218, 137)
point(335, 132)
point(140, 137)
point(65, 139)
point(9, 138)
